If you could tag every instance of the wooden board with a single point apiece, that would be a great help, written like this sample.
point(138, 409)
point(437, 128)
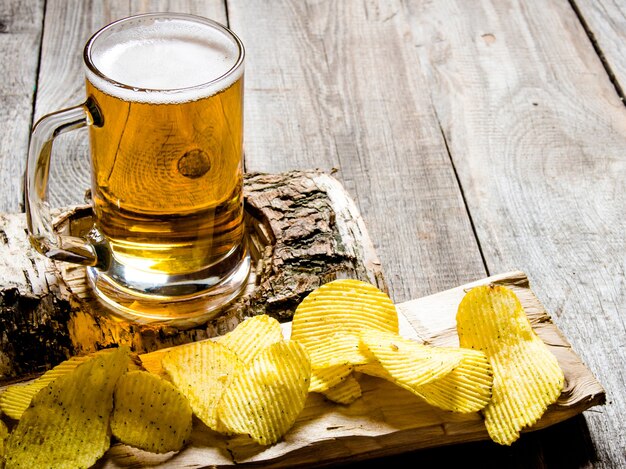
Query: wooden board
point(386, 419)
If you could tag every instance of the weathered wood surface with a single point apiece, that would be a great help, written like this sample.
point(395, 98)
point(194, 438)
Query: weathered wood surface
point(538, 138)
point(353, 66)
point(304, 231)
point(386, 419)
point(311, 66)
point(605, 21)
point(20, 39)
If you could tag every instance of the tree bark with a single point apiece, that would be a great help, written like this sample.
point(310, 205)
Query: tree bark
point(303, 228)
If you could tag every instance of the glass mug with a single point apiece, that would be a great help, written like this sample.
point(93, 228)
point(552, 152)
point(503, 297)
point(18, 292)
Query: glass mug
point(165, 114)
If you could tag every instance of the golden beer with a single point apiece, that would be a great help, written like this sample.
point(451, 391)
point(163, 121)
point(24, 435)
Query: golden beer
point(166, 156)
point(167, 180)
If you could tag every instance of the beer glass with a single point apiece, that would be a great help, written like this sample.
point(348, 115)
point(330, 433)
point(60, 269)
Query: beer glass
point(164, 109)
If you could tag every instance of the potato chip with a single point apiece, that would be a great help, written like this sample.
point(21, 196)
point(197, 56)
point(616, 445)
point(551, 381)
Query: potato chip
point(201, 371)
point(465, 389)
point(152, 361)
point(252, 335)
point(410, 364)
point(16, 398)
point(339, 348)
point(150, 413)
point(342, 305)
point(374, 369)
point(526, 375)
point(264, 399)
point(4, 433)
point(346, 392)
point(323, 379)
point(67, 424)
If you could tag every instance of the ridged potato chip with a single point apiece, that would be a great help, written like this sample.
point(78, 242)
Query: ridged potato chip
point(338, 348)
point(152, 361)
point(323, 379)
point(245, 340)
point(465, 389)
point(264, 399)
point(202, 371)
point(346, 392)
point(410, 364)
point(342, 305)
point(16, 398)
point(4, 433)
point(374, 369)
point(67, 424)
point(150, 413)
point(252, 335)
point(526, 375)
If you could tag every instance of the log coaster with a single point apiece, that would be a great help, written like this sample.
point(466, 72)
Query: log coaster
point(303, 230)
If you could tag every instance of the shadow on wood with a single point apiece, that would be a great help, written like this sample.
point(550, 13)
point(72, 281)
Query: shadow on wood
point(563, 445)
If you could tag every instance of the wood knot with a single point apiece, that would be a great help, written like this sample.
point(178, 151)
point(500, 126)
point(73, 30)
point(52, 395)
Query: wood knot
point(489, 38)
point(194, 164)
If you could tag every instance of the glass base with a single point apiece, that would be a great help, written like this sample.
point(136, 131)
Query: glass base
point(145, 298)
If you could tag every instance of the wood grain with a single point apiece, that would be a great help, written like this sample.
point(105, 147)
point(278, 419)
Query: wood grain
point(337, 85)
point(68, 26)
point(605, 20)
point(537, 134)
point(386, 420)
point(20, 32)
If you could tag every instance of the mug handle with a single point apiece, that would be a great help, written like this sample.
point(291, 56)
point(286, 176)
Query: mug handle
point(41, 232)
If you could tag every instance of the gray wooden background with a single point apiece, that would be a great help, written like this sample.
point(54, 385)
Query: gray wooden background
point(476, 136)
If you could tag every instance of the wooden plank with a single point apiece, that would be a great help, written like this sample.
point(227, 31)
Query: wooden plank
point(20, 35)
point(538, 135)
point(68, 26)
point(605, 21)
point(386, 420)
point(337, 85)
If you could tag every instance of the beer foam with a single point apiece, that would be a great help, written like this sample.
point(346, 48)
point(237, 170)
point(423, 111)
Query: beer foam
point(170, 60)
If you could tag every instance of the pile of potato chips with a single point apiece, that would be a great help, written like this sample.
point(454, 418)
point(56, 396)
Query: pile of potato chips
point(349, 326)
point(253, 382)
point(249, 381)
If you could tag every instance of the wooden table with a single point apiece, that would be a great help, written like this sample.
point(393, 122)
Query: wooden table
point(477, 137)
